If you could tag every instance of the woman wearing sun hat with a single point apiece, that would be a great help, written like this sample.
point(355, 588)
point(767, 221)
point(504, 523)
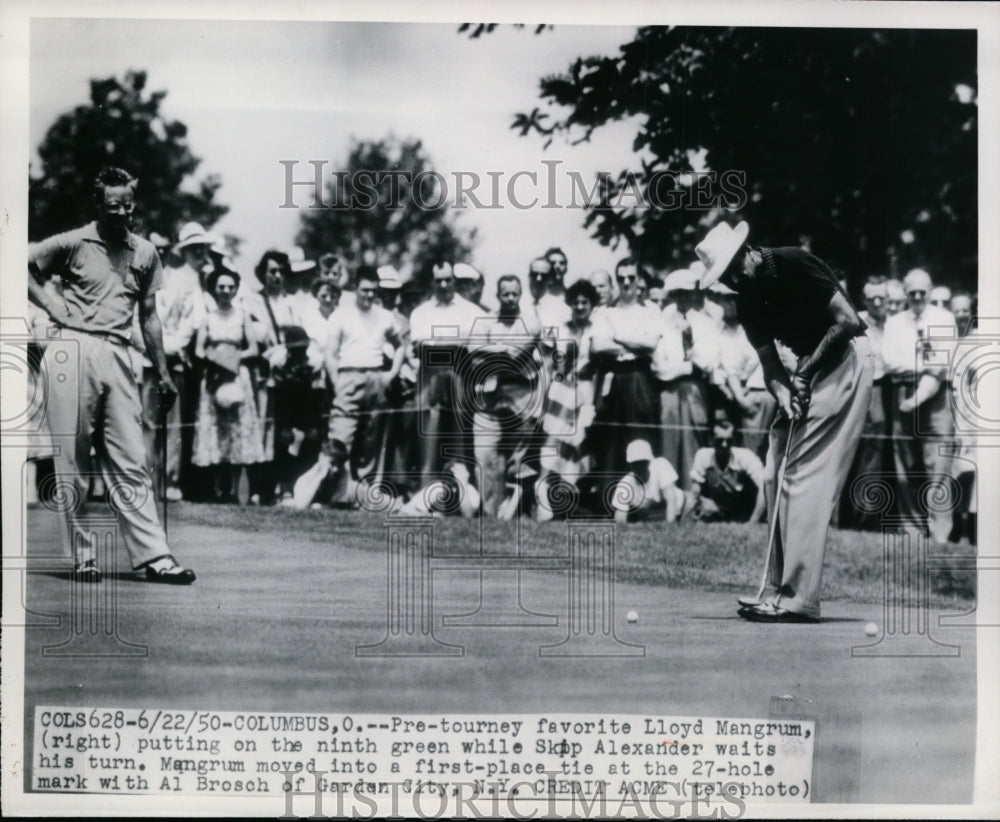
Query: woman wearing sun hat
point(787, 295)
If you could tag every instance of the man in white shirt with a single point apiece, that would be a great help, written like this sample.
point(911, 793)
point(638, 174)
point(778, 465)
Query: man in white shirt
point(439, 329)
point(623, 339)
point(737, 361)
point(874, 455)
point(727, 483)
point(543, 304)
point(915, 348)
point(649, 490)
point(601, 280)
point(686, 362)
point(355, 352)
point(509, 386)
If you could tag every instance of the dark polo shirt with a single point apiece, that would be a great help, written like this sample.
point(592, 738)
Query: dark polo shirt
point(787, 300)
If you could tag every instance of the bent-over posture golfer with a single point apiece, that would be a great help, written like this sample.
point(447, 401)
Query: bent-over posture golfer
point(105, 271)
point(788, 295)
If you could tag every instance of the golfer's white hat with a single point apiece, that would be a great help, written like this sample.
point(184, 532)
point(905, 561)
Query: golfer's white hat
point(638, 451)
point(718, 248)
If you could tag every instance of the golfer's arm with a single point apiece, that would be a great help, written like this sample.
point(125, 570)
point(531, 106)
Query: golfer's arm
point(927, 387)
point(775, 375)
point(152, 334)
point(846, 324)
point(40, 297)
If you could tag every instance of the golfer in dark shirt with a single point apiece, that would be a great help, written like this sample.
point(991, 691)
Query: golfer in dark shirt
point(787, 295)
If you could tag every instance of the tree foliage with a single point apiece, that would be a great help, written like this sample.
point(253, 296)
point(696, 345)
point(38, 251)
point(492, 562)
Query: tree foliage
point(858, 144)
point(374, 212)
point(121, 126)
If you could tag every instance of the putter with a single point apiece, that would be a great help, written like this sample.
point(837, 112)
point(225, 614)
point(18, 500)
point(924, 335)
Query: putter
point(748, 602)
point(163, 465)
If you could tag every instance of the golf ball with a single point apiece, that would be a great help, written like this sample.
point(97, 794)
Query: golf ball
point(871, 629)
point(632, 616)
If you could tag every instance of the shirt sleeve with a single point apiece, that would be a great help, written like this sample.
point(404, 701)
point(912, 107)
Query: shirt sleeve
point(154, 274)
point(699, 465)
point(51, 255)
point(665, 473)
point(751, 463)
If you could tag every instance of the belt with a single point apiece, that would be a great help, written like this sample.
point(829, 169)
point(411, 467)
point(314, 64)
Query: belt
point(359, 369)
point(107, 336)
point(629, 366)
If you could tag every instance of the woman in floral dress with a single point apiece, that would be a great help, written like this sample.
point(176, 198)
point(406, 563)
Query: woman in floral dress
point(228, 431)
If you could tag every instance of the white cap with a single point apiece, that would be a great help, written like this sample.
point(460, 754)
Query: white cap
point(684, 279)
point(297, 258)
point(638, 451)
point(388, 277)
point(464, 271)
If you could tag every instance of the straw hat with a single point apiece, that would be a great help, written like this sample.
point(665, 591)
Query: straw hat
point(718, 248)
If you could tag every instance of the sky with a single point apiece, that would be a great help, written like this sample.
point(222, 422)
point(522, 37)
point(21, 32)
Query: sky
point(253, 93)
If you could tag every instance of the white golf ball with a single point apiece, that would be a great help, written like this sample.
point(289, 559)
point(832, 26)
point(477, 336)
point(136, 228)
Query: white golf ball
point(632, 616)
point(871, 629)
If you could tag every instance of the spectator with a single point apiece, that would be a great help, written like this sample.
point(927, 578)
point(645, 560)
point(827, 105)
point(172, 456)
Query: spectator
point(560, 267)
point(399, 452)
point(298, 409)
point(601, 280)
point(727, 482)
point(545, 305)
point(737, 362)
point(966, 453)
point(686, 362)
point(439, 328)
point(649, 490)
point(270, 311)
point(569, 409)
point(873, 455)
point(299, 284)
point(961, 310)
point(469, 284)
point(504, 364)
point(940, 297)
point(921, 419)
point(228, 431)
point(358, 338)
point(895, 299)
point(623, 340)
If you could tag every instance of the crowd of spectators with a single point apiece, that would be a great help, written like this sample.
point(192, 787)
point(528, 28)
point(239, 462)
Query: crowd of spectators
point(624, 394)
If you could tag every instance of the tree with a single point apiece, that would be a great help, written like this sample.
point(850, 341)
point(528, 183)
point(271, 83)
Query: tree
point(387, 204)
point(861, 145)
point(121, 126)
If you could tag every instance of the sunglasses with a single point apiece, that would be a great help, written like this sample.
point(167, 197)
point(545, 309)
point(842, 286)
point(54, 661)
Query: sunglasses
point(721, 441)
point(626, 278)
point(916, 293)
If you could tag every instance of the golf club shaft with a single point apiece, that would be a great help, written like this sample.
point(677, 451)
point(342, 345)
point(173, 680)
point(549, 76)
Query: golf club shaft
point(163, 464)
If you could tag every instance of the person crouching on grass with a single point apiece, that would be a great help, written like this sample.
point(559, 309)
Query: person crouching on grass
point(788, 295)
point(649, 490)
